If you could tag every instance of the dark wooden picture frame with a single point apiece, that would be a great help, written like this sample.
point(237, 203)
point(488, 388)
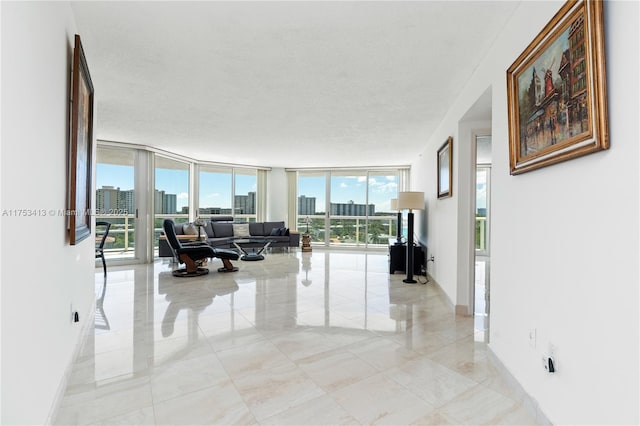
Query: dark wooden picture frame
point(80, 150)
point(556, 91)
point(445, 169)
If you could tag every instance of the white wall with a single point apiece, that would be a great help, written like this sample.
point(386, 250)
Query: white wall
point(564, 238)
point(42, 275)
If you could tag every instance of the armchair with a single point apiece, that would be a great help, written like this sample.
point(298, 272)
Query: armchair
point(191, 254)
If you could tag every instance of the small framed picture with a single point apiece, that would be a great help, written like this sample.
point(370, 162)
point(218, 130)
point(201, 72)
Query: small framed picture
point(445, 169)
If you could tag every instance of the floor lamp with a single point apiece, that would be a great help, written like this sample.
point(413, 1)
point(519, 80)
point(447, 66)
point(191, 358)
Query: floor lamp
point(394, 207)
point(411, 200)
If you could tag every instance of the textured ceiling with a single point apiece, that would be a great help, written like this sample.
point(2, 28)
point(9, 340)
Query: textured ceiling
point(283, 84)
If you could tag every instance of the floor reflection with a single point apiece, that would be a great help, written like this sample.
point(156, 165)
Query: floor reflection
point(295, 337)
point(194, 297)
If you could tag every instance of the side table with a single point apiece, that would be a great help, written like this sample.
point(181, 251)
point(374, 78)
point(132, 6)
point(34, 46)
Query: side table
point(306, 242)
point(398, 258)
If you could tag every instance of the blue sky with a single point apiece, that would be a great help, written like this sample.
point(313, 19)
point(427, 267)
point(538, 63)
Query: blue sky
point(215, 188)
point(351, 188)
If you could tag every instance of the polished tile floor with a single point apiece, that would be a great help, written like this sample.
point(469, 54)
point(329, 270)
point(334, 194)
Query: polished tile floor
point(327, 337)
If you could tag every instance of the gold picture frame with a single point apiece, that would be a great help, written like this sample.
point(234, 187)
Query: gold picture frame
point(562, 115)
point(80, 150)
point(445, 169)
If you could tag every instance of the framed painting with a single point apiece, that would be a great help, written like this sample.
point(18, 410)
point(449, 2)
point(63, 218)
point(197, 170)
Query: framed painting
point(445, 169)
point(556, 91)
point(80, 150)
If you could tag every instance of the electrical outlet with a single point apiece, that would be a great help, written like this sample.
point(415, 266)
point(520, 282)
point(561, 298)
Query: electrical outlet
point(549, 364)
point(74, 314)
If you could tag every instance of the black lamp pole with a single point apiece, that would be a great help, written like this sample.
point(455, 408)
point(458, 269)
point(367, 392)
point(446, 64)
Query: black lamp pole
point(399, 229)
point(410, 251)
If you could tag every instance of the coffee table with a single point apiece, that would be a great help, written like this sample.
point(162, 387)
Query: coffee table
point(256, 247)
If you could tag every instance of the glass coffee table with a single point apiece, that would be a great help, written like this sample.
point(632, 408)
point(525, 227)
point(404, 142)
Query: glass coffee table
point(251, 249)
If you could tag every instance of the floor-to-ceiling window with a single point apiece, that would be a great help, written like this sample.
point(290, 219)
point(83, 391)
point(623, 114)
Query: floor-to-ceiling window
point(383, 222)
point(312, 192)
point(116, 199)
point(483, 176)
point(228, 191)
point(171, 193)
point(245, 194)
point(348, 210)
point(348, 207)
point(215, 185)
point(136, 210)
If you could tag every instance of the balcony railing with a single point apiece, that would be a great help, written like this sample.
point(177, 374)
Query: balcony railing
point(481, 233)
point(344, 230)
point(350, 230)
point(122, 232)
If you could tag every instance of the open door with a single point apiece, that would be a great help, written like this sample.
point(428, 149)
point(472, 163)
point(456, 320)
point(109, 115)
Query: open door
point(482, 233)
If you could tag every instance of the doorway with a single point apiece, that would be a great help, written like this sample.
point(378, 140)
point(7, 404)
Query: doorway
point(116, 200)
point(121, 199)
point(482, 231)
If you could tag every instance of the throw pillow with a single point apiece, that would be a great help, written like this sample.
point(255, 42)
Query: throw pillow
point(189, 229)
point(241, 230)
point(283, 232)
point(222, 230)
point(274, 232)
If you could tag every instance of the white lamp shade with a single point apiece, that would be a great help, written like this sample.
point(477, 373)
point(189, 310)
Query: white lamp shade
point(394, 204)
point(412, 200)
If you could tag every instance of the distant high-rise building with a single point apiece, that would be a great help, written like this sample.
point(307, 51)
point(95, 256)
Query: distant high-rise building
point(127, 201)
point(166, 203)
point(306, 205)
point(170, 204)
point(111, 200)
point(352, 209)
point(107, 199)
point(158, 197)
point(208, 210)
point(245, 204)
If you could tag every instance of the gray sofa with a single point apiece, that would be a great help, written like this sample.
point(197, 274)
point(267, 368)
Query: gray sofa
point(220, 234)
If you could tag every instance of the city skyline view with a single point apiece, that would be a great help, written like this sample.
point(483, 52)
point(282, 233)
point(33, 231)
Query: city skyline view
point(215, 187)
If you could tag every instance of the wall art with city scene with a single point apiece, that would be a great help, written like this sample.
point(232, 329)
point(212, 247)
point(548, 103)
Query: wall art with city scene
point(557, 91)
point(80, 149)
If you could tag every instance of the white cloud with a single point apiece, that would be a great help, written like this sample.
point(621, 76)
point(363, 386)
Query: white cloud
point(383, 187)
point(183, 195)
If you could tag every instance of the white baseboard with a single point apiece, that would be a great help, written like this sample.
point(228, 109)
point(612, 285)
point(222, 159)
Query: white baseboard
point(62, 387)
point(463, 311)
point(447, 300)
point(530, 402)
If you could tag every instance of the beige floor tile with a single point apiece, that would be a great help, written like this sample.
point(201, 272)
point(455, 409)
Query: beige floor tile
point(380, 400)
point(271, 391)
point(335, 369)
point(215, 405)
point(322, 410)
point(325, 337)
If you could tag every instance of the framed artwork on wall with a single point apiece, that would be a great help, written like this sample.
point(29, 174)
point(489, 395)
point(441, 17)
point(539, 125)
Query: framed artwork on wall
point(445, 169)
point(556, 91)
point(80, 150)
